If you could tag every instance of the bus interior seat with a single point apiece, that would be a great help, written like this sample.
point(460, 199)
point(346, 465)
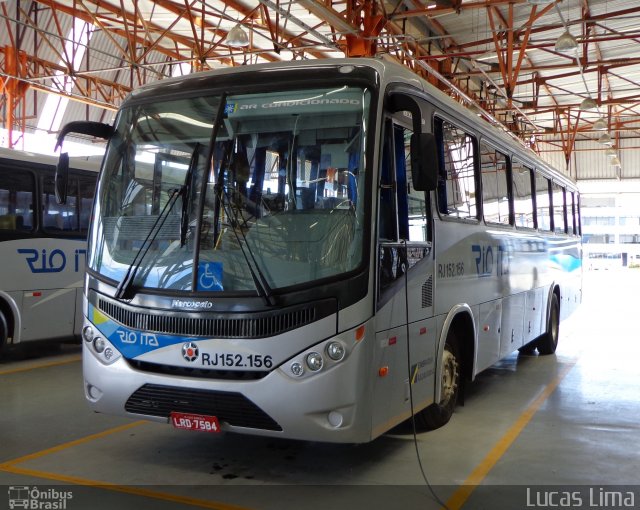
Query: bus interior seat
point(8, 221)
point(307, 198)
point(273, 202)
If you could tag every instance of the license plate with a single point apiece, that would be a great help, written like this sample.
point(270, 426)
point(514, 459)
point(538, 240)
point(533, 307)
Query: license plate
point(194, 422)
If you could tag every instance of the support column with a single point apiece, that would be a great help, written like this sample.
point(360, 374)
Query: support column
point(14, 92)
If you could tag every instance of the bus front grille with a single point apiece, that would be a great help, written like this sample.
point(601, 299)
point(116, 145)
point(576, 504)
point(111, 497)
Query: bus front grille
point(229, 407)
point(250, 325)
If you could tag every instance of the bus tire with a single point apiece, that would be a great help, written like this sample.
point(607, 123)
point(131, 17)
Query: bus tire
point(438, 414)
point(4, 333)
point(548, 342)
point(528, 349)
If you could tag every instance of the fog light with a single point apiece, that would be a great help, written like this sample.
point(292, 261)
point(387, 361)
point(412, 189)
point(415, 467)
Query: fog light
point(99, 344)
point(93, 392)
point(314, 361)
point(335, 419)
point(87, 333)
point(336, 351)
point(297, 369)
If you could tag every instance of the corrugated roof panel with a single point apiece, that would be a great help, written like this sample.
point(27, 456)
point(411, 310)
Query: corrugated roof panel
point(553, 155)
point(32, 38)
point(591, 162)
point(164, 30)
point(629, 155)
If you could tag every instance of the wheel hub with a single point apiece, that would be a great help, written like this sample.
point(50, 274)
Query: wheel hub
point(449, 376)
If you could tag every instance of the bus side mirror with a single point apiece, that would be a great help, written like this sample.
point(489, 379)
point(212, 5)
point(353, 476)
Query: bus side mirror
point(83, 127)
point(61, 178)
point(424, 161)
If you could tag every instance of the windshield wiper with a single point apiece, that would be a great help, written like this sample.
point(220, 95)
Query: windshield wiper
point(218, 188)
point(123, 291)
point(124, 288)
point(259, 279)
point(186, 194)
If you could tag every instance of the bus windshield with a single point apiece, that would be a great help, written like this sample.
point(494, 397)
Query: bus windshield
point(270, 198)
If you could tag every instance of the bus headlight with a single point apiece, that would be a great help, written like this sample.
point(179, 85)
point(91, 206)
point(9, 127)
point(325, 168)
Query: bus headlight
point(325, 355)
point(317, 359)
point(297, 369)
point(314, 361)
point(87, 333)
point(99, 345)
point(335, 350)
point(102, 349)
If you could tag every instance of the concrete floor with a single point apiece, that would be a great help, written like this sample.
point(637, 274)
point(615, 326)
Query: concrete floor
point(533, 430)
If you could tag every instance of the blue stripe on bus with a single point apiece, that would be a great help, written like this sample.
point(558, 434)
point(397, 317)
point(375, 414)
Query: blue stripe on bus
point(567, 262)
point(130, 342)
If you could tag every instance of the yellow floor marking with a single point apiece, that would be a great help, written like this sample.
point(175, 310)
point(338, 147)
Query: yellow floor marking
point(42, 365)
point(137, 491)
point(11, 467)
point(456, 501)
point(69, 444)
point(461, 495)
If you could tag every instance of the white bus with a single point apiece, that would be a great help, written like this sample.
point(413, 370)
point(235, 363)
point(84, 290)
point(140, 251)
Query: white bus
point(42, 247)
point(315, 250)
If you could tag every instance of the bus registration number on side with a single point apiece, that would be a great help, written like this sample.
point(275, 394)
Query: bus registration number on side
point(194, 422)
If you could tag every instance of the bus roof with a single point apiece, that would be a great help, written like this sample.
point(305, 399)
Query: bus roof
point(81, 163)
point(390, 71)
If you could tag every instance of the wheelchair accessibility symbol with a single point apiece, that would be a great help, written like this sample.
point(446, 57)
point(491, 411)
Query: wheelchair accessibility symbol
point(210, 276)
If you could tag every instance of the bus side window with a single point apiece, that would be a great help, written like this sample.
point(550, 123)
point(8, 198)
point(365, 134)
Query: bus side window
point(394, 208)
point(87, 191)
point(522, 195)
point(60, 217)
point(416, 216)
point(388, 225)
point(16, 200)
point(542, 203)
point(74, 216)
point(402, 210)
point(572, 213)
point(577, 214)
point(403, 213)
point(495, 189)
point(457, 187)
point(559, 209)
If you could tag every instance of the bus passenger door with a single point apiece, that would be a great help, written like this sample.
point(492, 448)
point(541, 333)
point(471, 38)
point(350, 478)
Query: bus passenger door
point(404, 306)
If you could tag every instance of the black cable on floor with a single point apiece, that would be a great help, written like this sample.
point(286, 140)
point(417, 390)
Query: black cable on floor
point(413, 419)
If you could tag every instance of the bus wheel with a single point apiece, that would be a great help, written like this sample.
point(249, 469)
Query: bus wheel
point(528, 349)
point(438, 414)
point(4, 333)
point(549, 341)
